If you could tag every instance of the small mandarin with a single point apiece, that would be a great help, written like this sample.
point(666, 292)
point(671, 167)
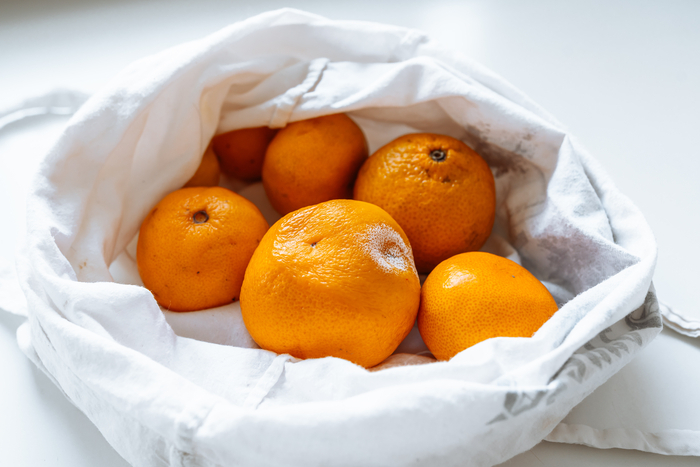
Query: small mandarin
point(312, 161)
point(438, 189)
point(474, 296)
point(194, 246)
point(207, 173)
point(241, 152)
point(333, 279)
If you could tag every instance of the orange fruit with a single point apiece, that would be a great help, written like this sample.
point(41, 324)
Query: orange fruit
point(334, 279)
point(437, 188)
point(241, 152)
point(312, 161)
point(194, 246)
point(207, 173)
point(474, 296)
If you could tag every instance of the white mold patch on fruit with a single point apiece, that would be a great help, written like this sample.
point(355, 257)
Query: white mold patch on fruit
point(387, 248)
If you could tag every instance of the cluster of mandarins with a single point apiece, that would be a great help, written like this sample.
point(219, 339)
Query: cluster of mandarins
point(337, 275)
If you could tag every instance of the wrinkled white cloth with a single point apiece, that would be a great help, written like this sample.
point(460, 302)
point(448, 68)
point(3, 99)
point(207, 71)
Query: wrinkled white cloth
point(163, 399)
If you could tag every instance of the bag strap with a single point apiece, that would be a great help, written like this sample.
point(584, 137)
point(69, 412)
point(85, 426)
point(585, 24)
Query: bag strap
point(54, 102)
point(675, 320)
point(668, 442)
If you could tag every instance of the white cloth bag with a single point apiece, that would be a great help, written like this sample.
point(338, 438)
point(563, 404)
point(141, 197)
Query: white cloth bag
point(162, 399)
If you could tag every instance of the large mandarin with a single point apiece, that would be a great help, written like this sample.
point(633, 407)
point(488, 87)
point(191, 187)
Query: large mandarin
point(334, 279)
point(194, 247)
point(474, 296)
point(312, 161)
point(438, 189)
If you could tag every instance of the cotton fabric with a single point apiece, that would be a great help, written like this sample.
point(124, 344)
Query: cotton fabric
point(164, 399)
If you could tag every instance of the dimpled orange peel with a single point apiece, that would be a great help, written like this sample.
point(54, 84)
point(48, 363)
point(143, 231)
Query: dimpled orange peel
point(474, 296)
point(311, 161)
point(194, 246)
point(333, 279)
point(438, 189)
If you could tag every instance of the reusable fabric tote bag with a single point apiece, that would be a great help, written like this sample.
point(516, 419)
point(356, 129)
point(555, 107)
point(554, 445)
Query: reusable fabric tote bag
point(161, 398)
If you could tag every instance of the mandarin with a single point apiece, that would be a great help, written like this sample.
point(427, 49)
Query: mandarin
point(474, 296)
point(312, 161)
point(241, 152)
point(207, 173)
point(438, 189)
point(334, 279)
point(194, 246)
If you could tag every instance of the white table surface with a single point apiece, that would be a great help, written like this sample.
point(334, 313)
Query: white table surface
point(622, 75)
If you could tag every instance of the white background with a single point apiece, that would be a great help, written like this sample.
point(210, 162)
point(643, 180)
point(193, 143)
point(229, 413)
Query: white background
point(623, 76)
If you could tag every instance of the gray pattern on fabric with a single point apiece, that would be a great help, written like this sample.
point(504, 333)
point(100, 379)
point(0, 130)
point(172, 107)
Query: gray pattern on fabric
point(608, 345)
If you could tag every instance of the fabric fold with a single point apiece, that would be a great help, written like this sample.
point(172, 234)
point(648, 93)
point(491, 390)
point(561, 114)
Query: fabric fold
point(159, 397)
point(675, 320)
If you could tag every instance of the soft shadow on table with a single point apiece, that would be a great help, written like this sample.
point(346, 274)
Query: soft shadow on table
point(548, 454)
point(692, 341)
point(10, 322)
